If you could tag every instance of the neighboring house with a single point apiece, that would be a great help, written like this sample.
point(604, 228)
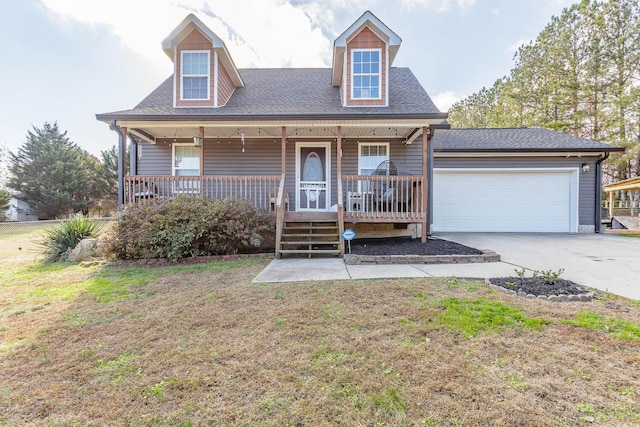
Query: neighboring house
point(19, 210)
point(307, 143)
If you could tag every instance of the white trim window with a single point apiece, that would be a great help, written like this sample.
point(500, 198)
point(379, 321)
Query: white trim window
point(370, 155)
point(195, 74)
point(186, 162)
point(365, 74)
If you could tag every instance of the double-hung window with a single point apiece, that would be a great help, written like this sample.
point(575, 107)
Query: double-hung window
point(195, 74)
point(365, 74)
point(370, 155)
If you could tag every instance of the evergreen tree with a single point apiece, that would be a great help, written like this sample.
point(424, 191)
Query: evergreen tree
point(110, 170)
point(54, 175)
point(580, 76)
point(5, 198)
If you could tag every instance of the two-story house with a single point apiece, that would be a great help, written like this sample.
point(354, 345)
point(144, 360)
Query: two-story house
point(359, 145)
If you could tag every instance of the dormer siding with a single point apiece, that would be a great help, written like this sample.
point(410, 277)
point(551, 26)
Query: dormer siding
point(225, 86)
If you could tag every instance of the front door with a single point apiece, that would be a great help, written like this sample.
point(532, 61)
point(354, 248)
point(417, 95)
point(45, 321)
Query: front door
point(313, 176)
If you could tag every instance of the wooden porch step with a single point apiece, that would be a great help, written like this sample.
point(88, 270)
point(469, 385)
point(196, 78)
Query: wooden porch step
point(310, 221)
point(310, 233)
point(311, 216)
point(311, 227)
point(310, 251)
point(310, 242)
point(296, 235)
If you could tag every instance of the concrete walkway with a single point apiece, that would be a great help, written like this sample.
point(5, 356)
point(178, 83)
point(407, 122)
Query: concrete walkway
point(603, 261)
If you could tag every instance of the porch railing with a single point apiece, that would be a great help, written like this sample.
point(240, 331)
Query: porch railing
point(262, 190)
point(383, 198)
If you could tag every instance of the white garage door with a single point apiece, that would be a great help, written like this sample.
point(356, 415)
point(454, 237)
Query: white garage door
point(505, 200)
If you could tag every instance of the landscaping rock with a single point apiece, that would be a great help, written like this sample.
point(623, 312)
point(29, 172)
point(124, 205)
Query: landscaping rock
point(84, 251)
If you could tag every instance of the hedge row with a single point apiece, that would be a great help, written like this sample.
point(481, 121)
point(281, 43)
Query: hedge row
point(190, 226)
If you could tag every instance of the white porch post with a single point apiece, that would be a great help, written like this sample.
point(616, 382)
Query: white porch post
point(426, 165)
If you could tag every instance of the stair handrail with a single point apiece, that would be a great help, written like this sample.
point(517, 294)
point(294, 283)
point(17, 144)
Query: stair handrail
point(340, 215)
point(279, 214)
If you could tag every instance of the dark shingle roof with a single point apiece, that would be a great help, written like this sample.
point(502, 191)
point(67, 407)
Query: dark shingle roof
point(290, 92)
point(513, 140)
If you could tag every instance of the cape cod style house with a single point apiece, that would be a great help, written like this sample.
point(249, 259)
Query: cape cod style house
point(359, 145)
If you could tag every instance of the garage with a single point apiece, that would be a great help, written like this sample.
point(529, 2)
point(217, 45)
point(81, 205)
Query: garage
point(505, 200)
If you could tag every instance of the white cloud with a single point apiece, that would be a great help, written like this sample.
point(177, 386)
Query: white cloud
point(465, 4)
point(258, 33)
point(440, 6)
point(274, 33)
point(444, 100)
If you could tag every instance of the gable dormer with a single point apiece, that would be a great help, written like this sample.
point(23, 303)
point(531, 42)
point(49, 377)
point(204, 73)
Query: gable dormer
point(362, 56)
point(204, 74)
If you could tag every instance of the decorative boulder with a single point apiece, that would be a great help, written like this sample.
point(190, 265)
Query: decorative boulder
point(84, 250)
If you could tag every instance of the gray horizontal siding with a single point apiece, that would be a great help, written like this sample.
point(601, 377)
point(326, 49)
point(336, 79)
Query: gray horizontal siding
point(154, 159)
point(586, 181)
point(407, 156)
point(259, 158)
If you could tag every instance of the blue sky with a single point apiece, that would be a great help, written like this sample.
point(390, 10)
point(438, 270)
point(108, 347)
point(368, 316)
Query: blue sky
point(66, 60)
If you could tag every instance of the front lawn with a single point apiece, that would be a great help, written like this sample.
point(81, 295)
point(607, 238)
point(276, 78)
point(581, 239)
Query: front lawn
point(202, 345)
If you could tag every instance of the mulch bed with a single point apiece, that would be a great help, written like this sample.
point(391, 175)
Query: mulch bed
point(537, 286)
point(409, 246)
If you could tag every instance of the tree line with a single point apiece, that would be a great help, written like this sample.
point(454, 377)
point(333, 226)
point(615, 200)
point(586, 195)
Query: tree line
point(581, 75)
point(57, 177)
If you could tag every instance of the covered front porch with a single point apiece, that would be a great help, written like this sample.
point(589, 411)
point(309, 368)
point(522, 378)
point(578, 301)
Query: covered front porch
point(291, 169)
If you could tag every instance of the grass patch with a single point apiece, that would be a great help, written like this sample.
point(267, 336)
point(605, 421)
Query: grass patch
point(157, 390)
point(471, 317)
point(617, 328)
point(115, 370)
point(389, 404)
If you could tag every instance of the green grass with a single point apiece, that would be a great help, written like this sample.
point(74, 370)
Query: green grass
point(629, 235)
point(389, 403)
point(116, 369)
point(470, 317)
point(618, 328)
point(157, 390)
point(44, 283)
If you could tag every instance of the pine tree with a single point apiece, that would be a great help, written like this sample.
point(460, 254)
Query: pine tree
point(54, 175)
point(580, 76)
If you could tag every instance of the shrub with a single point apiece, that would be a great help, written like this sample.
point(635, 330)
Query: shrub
point(61, 239)
point(191, 226)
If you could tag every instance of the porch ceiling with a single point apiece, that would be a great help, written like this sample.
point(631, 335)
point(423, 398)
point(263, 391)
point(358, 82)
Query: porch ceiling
point(167, 131)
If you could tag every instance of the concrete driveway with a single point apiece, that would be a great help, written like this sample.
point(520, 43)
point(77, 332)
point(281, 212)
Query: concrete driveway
point(604, 261)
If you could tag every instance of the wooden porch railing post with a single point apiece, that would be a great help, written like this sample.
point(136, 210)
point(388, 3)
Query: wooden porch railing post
point(279, 214)
point(339, 183)
point(425, 166)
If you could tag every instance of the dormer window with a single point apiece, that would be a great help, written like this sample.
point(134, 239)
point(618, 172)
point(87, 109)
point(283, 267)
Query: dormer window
point(365, 74)
point(195, 74)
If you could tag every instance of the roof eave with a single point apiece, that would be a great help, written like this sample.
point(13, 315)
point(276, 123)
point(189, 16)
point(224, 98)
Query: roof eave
point(531, 150)
point(107, 117)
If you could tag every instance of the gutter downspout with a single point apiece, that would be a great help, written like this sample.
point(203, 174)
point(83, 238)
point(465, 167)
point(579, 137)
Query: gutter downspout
point(133, 156)
point(432, 131)
point(121, 150)
point(598, 213)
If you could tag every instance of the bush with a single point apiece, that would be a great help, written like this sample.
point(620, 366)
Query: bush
point(58, 241)
point(190, 226)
